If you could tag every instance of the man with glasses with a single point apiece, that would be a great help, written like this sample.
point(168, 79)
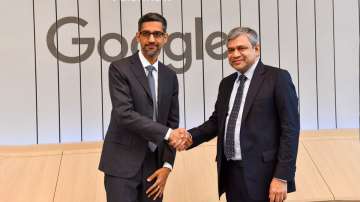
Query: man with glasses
point(136, 156)
point(256, 122)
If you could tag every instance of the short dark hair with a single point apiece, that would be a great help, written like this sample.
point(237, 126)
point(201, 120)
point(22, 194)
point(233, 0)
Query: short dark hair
point(150, 17)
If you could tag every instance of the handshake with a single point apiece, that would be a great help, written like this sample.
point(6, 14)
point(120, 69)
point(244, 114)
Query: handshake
point(180, 139)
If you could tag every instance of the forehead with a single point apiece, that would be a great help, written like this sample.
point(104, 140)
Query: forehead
point(152, 26)
point(241, 40)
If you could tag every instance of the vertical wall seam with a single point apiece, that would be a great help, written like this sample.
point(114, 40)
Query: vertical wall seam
point(162, 13)
point(80, 73)
point(183, 60)
point(240, 12)
point(36, 77)
point(297, 54)
point(101, 74)
point(316, 67)
point(259, 22)
point(359, 64)
point(222, 37)
point(334, 54)
point(202, 56)
point(58, 70)
point(278, 30)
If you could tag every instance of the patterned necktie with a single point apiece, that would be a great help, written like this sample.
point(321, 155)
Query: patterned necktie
point(151, 81)
point(230, 131)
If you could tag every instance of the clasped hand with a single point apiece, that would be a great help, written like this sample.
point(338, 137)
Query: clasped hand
point(180, 139)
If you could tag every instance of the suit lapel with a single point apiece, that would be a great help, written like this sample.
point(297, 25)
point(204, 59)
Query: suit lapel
point(161, 85)
point(139, 72)
point(254, 87)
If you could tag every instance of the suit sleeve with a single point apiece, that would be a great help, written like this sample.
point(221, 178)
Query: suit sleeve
point(287, 108)
point(169, 153)
point(123, 107)
point(209, 129)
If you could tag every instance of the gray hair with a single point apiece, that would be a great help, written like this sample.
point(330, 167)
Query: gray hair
point(238, 31)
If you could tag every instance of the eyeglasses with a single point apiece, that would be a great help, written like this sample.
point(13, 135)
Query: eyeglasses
point(156, 34)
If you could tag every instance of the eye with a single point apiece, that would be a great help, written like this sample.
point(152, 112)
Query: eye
point(242, 48)
point(145, 33)
point(158, 34)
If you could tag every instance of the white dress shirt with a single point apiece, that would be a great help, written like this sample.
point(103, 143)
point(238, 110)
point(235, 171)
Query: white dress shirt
point(155, 74)
point(249, 74)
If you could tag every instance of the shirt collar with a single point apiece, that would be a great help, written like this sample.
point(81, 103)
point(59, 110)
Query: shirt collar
point(250, 72)
point(146, 63)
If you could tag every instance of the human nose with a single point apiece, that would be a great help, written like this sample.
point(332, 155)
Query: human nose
point(236, 53)
point(151, 37)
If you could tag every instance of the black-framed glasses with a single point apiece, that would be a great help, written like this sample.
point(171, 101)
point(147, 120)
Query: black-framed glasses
point(156, 34)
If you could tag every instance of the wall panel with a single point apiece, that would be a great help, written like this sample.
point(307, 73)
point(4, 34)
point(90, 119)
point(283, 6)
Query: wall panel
point(325, 64)
point(307, 64)
point(172, 11)
point(213, 70)
point(17, 77)
point(47, 72)
point(69, 75)
point(269, 32)
point(346, 33)
point(91, 82)
point(193, 53)
point(111, 27)
point(230, 19)
point(288, 39)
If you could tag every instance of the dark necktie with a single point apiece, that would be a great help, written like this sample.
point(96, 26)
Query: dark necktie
point(230, 131)
point(151, 81)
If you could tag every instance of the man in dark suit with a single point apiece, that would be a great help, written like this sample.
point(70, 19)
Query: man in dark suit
point(256, 122)
point(136, 156)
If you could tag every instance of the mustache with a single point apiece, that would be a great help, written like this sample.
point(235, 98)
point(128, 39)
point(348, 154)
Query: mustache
point(236, 60)
point(151, 44)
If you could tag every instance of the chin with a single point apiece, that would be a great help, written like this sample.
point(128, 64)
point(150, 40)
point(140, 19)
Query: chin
point(238, 68)
point(152, 53)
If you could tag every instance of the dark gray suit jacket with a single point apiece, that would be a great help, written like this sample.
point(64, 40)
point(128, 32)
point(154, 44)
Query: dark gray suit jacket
point(269, 129)
point(131, 125)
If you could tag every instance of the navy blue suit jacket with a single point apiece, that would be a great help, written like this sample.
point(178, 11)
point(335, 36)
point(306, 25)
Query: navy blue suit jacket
point(269, 129)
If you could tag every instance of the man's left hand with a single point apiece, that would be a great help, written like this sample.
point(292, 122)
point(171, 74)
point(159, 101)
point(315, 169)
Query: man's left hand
point(157, 189)
point(278, 190)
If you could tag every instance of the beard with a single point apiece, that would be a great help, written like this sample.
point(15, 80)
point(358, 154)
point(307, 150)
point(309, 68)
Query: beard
point(151, 50)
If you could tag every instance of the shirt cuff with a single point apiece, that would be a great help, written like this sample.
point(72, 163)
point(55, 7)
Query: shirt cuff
point(167, 136)
point(281, 180)
point(167, 165)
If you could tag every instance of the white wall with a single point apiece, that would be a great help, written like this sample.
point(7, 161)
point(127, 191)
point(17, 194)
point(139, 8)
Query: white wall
point(50, 100)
